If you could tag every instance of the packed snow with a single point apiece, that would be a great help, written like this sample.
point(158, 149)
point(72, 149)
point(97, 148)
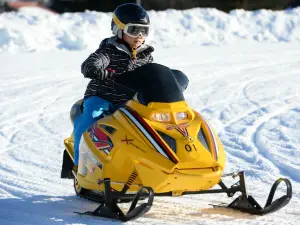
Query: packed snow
point(244, 79)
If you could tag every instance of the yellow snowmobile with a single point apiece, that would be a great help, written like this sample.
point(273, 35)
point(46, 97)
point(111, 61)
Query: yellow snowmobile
point(155, 145)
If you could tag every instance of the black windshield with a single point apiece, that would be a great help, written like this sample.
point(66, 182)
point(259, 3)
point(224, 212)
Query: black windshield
point(155, 83)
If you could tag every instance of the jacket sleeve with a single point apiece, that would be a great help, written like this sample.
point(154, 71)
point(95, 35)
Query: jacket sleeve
point(94, 67)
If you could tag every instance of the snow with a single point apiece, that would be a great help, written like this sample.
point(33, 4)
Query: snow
point(244, 79)
point(33, 29)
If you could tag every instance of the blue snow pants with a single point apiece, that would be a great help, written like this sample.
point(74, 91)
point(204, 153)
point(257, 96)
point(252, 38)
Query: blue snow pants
point(93, 108)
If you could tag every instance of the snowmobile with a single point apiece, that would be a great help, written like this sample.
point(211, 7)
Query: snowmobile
point(154, 145)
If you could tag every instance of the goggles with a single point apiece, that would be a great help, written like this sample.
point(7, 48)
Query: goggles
point(133, 30)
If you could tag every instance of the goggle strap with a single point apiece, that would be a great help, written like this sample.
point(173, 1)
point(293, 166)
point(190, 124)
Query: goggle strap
point(118, 22)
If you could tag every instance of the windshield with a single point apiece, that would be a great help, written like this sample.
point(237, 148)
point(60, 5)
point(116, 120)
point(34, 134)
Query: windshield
point(155, 83)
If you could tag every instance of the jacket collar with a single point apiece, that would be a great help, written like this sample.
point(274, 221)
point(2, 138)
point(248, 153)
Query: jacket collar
point(123, 46)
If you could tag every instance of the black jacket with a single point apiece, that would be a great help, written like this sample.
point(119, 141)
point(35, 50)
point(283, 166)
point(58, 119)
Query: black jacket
point(116, 55)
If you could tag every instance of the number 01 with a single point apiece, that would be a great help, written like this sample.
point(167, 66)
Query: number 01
point(188, 147)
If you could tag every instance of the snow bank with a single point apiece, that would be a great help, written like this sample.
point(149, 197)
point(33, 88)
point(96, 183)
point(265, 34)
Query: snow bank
point(39, 30)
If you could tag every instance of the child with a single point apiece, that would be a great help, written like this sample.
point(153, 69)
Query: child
point(123, 52)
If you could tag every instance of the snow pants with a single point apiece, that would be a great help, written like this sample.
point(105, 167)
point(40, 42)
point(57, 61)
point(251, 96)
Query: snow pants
point(93, 108)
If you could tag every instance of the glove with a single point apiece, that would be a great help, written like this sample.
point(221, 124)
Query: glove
point(109, 73)
point(106, 74)
point(102, 74)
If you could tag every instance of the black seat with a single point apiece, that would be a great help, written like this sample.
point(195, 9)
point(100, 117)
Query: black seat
point(76, 110)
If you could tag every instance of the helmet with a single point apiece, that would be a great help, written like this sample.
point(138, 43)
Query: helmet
point(131, 19)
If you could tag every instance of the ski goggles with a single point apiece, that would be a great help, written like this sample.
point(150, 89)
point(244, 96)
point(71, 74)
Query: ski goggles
point(131, 29)
point(135, 30)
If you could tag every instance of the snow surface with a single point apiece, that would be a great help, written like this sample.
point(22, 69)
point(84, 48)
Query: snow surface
point(34, 30)
point(244, 78)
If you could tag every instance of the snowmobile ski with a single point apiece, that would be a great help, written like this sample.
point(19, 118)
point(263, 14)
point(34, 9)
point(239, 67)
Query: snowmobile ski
point(246, 203)
point(109, 208)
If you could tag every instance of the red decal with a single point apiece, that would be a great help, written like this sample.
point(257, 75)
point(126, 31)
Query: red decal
point(181, 128)
point(100, 139)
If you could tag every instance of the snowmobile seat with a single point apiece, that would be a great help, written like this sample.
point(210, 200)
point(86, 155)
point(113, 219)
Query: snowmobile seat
point(76, 110)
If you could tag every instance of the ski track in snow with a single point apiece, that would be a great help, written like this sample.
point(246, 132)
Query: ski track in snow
point(249, 94)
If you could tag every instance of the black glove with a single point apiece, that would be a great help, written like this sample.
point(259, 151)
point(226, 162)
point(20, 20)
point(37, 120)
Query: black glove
point(103, 74)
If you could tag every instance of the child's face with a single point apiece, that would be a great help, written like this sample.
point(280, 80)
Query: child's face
point(134, 42)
